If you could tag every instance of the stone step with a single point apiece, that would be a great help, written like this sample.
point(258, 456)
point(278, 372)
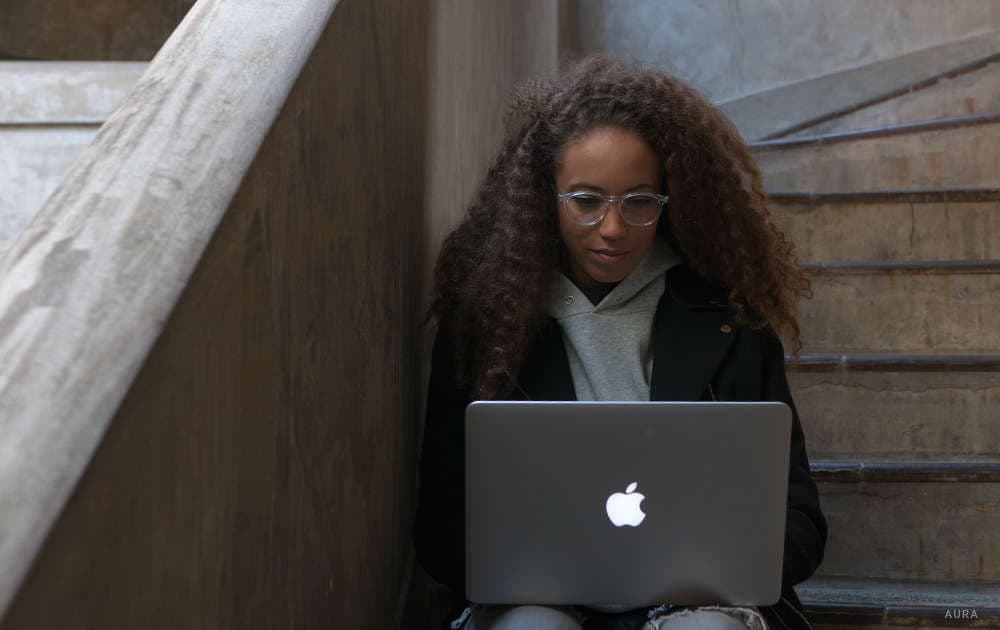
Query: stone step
point(49, 112)
point(898, 405)
point(959, 152)
point(891, 225)
point(971, 88)
point(911, 519)
point(845, 603)
point(778, 111)
point(33, 160)
point(37, 92)
point(936, 306)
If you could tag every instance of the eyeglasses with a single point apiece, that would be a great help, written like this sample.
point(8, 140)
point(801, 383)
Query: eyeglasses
point(638, 209)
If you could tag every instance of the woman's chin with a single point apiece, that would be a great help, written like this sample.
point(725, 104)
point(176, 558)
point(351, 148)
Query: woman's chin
point(603, 276)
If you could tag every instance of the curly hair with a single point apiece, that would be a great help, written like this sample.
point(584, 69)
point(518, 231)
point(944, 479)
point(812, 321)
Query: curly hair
point(491, 276)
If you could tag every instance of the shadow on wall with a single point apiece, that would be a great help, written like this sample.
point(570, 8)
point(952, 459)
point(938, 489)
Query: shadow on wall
point(105, 30)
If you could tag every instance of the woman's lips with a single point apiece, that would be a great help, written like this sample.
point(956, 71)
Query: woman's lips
point(606, 255)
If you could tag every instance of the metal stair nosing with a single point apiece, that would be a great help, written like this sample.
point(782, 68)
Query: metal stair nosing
point(937, 124)
point(929, 195)
point(922, 267)
point(978, 469)
point(893, 362)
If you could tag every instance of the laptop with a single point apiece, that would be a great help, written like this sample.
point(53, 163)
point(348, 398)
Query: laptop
point(625, 503)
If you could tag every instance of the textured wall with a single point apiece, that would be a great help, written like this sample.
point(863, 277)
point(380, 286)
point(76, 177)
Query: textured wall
point(478, 50)
point(116, 30)
point(730, 48)
point(487, 46)
point(258, 472)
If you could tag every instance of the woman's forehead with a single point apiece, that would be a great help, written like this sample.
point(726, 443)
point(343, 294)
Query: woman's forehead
point(608, 158)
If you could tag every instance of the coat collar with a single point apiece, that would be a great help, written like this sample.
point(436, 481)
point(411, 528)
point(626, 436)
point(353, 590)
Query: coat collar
point(689, 342)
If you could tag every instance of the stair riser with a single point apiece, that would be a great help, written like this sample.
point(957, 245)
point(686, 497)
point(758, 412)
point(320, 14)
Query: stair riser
point(841, 602)
point(32, 162)
point(912, 530)
point(856, 414)
point(971, 93)
point(904, 312)
point(893, 231)
point(964, 157)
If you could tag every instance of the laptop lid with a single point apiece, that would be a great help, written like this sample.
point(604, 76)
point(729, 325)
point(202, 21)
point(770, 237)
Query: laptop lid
point(626, 503)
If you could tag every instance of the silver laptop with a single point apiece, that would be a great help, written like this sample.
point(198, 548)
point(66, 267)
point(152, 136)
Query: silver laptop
point(625, 503)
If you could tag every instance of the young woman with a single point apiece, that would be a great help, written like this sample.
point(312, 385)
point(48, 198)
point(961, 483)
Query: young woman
point(620, 248)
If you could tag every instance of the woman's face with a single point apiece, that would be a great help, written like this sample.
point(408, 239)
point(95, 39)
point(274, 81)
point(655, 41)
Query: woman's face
point(612, 161)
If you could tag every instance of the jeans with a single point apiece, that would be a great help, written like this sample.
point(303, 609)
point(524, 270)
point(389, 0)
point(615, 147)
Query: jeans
point(535, 617)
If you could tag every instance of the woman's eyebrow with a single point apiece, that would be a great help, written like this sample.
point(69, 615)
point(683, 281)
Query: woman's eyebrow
point(599, 189)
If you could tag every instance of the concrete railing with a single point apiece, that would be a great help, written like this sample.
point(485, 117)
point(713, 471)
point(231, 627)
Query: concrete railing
point(210, 359)
point(86, 290)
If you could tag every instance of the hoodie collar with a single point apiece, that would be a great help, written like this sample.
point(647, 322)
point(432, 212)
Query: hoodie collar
point(566, 299)
point(692, 333)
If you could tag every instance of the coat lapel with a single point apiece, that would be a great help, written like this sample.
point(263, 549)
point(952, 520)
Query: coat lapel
point(545, 373)
point(692, 331)
point(689, 342)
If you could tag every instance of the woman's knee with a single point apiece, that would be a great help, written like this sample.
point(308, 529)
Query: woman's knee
point(527, 617)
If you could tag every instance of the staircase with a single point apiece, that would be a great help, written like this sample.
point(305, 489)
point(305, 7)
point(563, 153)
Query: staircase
point(895, 208)
point(49, 112)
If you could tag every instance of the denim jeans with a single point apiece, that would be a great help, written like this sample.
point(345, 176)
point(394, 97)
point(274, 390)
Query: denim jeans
point(534, 617)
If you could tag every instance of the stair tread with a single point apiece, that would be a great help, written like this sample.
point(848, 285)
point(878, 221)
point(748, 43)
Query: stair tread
point(777, 110)
point(949, 93)
point(885, 594)
point(63, 92)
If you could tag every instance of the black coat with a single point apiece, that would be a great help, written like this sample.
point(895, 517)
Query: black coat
point(699, 354)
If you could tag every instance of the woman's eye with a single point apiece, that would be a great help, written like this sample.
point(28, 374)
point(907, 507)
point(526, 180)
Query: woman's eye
point(641, 202)
point(588, 201)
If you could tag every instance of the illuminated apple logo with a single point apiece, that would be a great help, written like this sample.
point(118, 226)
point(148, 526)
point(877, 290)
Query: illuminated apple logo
point(623, 507)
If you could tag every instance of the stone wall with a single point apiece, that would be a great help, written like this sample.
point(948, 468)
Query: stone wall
point(732, 48)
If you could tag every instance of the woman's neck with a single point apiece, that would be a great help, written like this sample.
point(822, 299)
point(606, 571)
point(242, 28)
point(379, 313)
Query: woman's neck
point(594, 291)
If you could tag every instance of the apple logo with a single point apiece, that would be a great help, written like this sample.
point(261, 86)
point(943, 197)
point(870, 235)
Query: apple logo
point(623, 508)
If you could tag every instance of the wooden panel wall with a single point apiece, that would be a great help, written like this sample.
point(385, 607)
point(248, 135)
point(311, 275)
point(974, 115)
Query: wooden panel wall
point(259, 472)
point(62, 30)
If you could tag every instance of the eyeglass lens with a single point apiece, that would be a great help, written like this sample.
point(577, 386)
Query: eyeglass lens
point(637, 209)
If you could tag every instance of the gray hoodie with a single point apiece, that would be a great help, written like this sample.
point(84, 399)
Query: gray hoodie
point(608, 345)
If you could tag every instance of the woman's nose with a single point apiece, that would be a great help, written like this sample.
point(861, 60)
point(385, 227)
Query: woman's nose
point(613, 225)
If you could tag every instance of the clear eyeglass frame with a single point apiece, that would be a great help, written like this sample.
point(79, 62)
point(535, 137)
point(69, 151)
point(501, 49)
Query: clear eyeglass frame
point(606, 201)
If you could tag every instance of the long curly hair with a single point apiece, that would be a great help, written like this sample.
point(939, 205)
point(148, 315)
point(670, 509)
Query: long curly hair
point(491, 278)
